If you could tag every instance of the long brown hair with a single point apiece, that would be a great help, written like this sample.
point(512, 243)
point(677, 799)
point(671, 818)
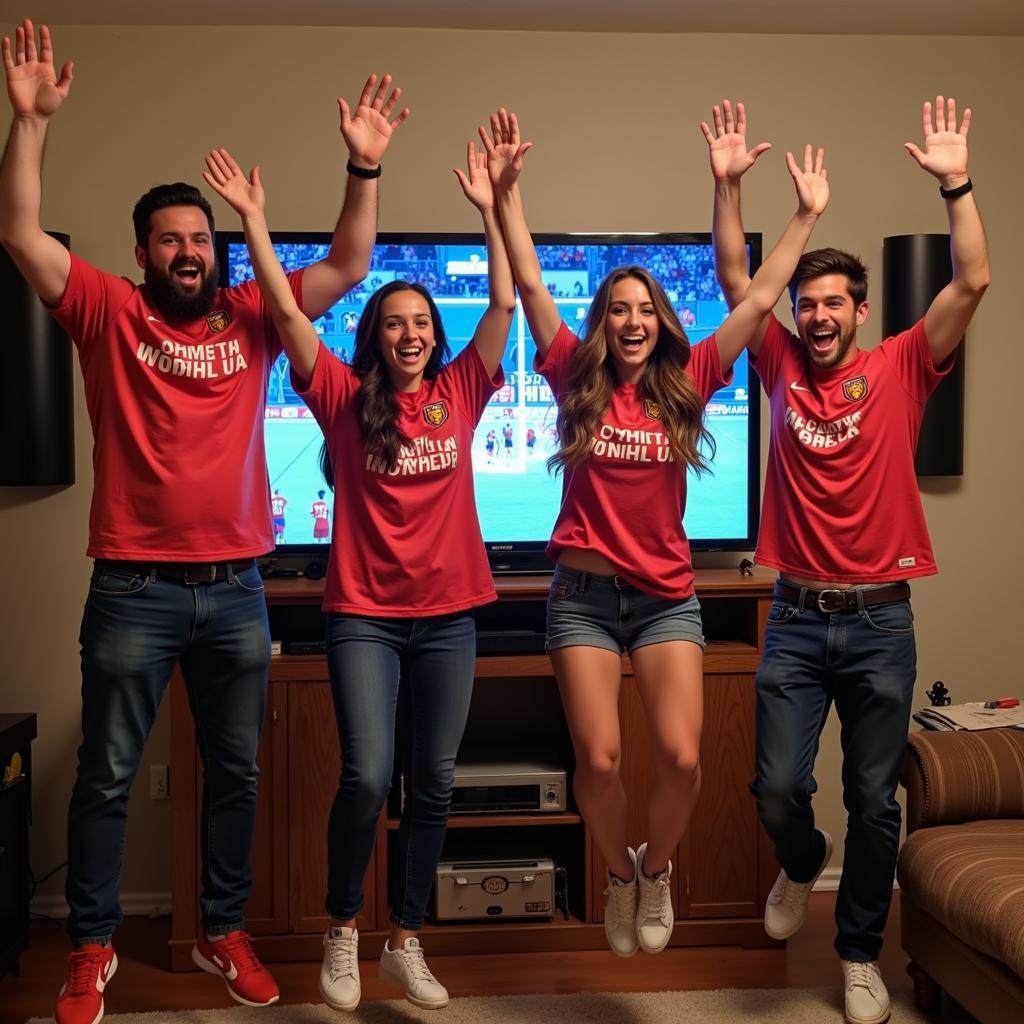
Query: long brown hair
point(376, 402)
point(591, 380)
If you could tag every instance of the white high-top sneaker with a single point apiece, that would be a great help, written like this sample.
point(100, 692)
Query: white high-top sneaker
point(654, 914)
point(867, 998)
point(407, 969)
point(339, 974)
point(786, 908)
point(620, 911)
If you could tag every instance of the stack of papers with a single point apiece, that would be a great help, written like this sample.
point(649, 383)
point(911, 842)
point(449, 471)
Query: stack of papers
point(970, 716)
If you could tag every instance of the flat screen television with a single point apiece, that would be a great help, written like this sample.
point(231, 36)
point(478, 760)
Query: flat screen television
point(517, 498)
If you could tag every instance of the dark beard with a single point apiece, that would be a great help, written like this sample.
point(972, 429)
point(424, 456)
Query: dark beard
point(173, 303)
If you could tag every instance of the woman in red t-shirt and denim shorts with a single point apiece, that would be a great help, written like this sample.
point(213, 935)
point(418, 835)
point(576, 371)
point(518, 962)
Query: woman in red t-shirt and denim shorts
point(631, 397)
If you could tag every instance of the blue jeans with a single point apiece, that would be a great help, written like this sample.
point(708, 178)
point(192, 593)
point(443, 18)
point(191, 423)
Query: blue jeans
point(135, 629)
point(367, 657)
point(865, 661)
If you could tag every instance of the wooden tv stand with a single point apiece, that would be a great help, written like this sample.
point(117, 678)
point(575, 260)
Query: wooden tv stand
point(724, 867)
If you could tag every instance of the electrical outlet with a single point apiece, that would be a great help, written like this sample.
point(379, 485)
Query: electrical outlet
point(159, 782)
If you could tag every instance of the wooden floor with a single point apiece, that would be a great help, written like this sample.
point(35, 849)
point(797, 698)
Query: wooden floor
point(143, 983)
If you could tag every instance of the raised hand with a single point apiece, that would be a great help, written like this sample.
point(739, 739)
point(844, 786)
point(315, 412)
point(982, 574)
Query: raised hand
point(32, 83)
point(369, 131)
point(244, 195)
point(945, 149)
point(727, 144)
point(812, 182)
point(504, 149)
point(475, 181)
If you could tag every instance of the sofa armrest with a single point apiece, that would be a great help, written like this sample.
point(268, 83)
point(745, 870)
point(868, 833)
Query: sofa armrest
point(952, 777)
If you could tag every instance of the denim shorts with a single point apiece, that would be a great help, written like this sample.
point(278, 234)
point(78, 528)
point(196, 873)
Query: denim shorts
point(585, 610)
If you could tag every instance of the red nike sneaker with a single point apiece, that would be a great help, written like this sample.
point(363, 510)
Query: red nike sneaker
point(234, 959)
point(90, 967)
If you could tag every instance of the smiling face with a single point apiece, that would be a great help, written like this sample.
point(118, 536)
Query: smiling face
point(179, 262)
point(631, 328)
point(406, 338)
point(827, 319)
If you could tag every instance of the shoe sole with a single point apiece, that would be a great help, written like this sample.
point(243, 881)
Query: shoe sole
point(881, 1019)
point(211, 968)
point(335, 1005)
point(423, 1004)
point(110, 974)
point(792, 931)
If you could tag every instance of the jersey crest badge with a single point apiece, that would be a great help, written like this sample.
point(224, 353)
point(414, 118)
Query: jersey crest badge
point(218, 320)
point(652, 410)
point(855, 388)
point(436, 413)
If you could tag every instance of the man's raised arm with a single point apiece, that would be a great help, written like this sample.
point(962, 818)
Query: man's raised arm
point(945, 157)
point(730, 160)
point(35, 93)
point(367, 135)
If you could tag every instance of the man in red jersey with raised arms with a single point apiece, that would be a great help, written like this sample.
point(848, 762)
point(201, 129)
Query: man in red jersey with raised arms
point(175, 380)
point(842, 522)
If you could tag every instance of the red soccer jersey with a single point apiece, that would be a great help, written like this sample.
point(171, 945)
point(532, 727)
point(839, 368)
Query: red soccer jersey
point(277, 506)
point(626, 501)
point(177, 419)
point(841, 503)
point(405, 542)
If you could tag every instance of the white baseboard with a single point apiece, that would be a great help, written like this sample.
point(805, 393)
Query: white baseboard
point(133, 904)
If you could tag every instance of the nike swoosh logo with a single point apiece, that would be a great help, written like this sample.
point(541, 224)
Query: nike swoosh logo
point(231, 974)
point(797, 387)
point(154, 320)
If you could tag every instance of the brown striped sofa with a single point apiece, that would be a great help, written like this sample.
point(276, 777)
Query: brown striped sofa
point(961, 871)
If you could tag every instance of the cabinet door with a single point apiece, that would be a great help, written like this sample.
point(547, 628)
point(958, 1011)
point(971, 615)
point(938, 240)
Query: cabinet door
point(314, 764)
point(720, 850)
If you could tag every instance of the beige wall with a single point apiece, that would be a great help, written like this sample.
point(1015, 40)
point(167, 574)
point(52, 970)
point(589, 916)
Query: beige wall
point(614, 119)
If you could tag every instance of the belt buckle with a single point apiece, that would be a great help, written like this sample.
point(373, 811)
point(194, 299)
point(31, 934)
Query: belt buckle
point(822, 602)
point(195, 575)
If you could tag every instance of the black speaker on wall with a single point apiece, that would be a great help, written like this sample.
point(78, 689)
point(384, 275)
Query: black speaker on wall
point(915, 268)
point(37, 413)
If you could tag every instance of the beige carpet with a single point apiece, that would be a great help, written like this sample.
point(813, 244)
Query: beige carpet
point(726, 1006)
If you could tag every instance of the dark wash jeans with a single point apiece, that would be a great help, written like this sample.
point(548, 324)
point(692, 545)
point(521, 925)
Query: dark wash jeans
point(135, 629)
point(367, 657)
point(865, 662)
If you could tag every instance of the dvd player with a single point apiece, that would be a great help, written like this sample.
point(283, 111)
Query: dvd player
point(508, 782)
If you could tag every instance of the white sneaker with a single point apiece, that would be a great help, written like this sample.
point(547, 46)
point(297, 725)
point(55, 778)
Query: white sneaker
point(786, 908)
point(654, 915)
point(339, 974)
point(407, 969)
point(620, 912)
point(867, 999)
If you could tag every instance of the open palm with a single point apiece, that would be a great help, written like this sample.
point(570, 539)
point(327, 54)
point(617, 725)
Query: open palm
point(811, 182)
point(945, 149)
point(368, 132)
point(225, 177)
point(727, 143)
point(32, 83)
point(504, 149)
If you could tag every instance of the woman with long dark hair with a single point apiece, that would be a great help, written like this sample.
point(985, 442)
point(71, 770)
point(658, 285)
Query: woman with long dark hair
point(631, 395)
point(407, 565)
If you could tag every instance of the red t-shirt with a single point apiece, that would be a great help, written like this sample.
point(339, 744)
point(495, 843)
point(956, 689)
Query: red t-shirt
point(177, 419)
point(841, 503)
point(405, 543)
point(626, 501)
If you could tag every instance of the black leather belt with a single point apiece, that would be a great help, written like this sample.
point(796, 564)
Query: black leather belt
point(828, 601)
point(189, 573)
